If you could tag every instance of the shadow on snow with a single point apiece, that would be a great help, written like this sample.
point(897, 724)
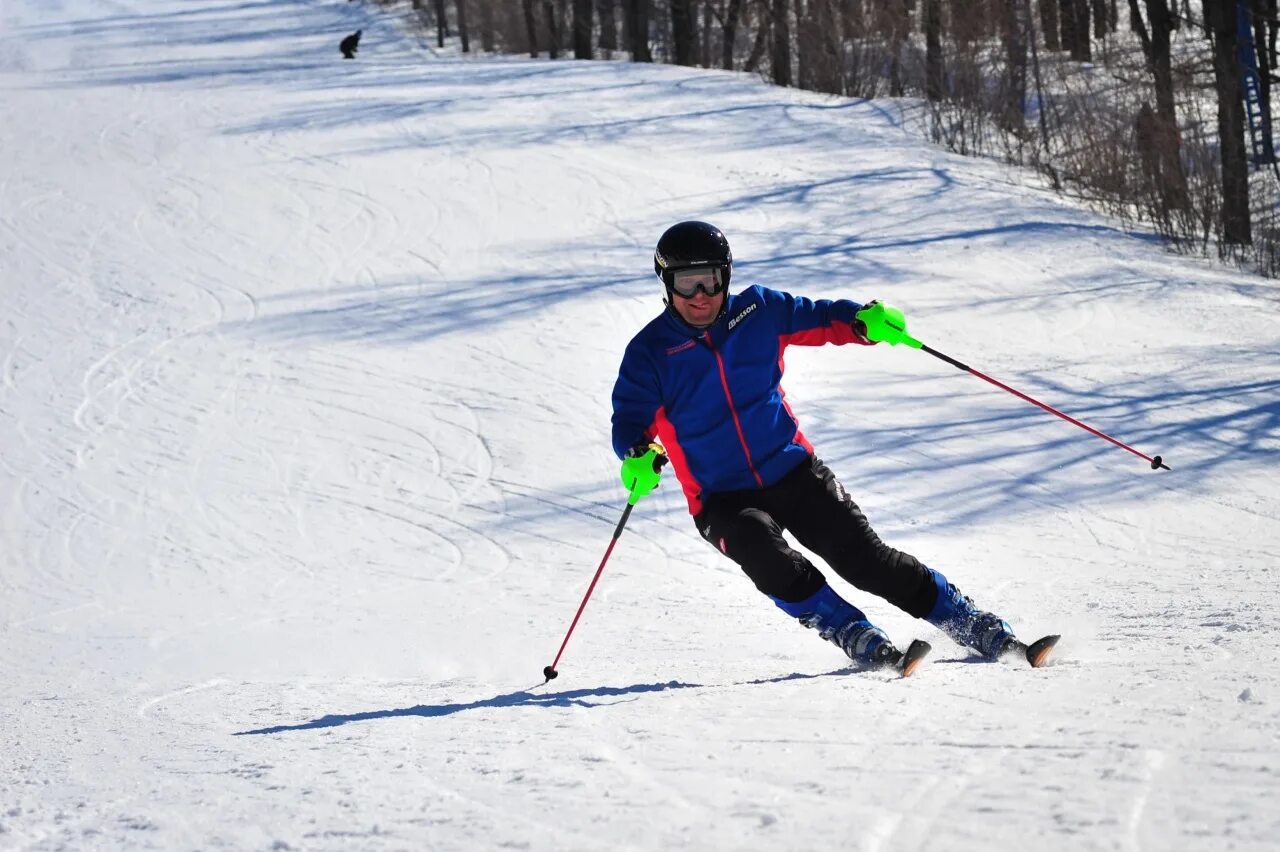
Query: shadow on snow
point(1201, 419)
point(522, 698)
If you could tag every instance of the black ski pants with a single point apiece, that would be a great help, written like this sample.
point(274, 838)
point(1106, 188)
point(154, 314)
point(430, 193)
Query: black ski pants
point(810, 503)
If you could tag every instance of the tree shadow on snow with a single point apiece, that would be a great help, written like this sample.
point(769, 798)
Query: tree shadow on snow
point(882, 434)
point(521, 698)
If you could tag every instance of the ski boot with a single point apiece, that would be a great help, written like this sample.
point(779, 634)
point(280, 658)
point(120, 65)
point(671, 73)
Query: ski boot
point(955, 615)
point(847, 627)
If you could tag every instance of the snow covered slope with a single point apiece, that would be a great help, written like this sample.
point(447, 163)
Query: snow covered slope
point(304, 466)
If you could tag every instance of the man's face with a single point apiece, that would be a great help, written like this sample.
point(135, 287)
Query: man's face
point(698, 310)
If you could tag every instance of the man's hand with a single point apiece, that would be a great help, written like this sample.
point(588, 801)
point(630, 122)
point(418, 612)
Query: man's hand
point(879, 322)
point(860, 327)
point(642, 469)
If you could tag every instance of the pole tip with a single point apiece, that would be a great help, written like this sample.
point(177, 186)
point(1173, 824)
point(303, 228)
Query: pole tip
point(550, 674)
point(1157, 463)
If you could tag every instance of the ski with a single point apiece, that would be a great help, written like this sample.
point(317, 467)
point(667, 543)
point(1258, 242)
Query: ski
point(913, 656)
point(1038, 652)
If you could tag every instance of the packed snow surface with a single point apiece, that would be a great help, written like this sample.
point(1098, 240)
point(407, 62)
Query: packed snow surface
point(305, 369)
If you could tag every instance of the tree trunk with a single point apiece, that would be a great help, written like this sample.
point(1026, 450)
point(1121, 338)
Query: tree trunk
point(486, 26)
point(933, 80)
point(1162, 151)
point(608, 26)
point(729, 33)
point(1049, 24)
point(582, 25)
point(1264, 24)
point(828, 76)
point(1067, 25)
point(553, 31)
point(763, 33)
point(442, 24)
point(806, 32)
point(683, 34)
point(1075, 29)
point(530, 27)
point(462, 25)
point(780, 55)
point(704, 37)
point(1220, 18)
point(896, 29)
point(1013, 34)
point(638, 30)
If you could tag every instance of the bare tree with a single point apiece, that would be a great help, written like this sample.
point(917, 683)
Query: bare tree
point(486, 26)
point(1158, 141)
point(825, 59)
point(1049, 24)
point(530, 27)
point(638, 30)
point(553, 31)
point(442, 24)
point(764, 30)
point(462, 25)
point(780, 55)
point(607, 10)
point(582, 24)
point(704, 35)
point(1013, 33)
point(1075, 29)
point(806, 37)
point(729, 33)
point(894, 26)
point(1220, 17)
point(934, 84)
point(683, 33)
point(1103, 19)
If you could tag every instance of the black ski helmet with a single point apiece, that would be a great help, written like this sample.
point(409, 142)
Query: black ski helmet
point(689, 245)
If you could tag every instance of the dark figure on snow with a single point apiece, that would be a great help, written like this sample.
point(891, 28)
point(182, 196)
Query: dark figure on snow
point(700, 385)
point(349, 45)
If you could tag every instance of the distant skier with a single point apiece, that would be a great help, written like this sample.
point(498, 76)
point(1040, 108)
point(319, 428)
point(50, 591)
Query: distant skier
point(350, 44)
point(700, 384)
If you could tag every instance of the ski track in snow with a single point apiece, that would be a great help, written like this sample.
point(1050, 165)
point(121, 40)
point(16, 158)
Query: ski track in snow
point(305, 468)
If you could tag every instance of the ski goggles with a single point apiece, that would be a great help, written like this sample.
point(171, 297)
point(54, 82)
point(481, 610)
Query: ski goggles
point(687, 282)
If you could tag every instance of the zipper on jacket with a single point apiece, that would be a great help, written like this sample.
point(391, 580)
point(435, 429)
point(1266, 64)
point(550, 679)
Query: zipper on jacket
point(733, 409)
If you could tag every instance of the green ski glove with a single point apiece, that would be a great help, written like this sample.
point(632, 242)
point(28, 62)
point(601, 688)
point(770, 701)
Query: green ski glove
point(642, 469)
point(881, 323)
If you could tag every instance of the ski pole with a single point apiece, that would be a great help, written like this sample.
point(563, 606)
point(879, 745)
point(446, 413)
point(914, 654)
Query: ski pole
point(888, 324)
point(550, 672)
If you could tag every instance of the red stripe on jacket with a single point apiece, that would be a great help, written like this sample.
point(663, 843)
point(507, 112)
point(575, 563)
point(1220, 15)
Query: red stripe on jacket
point(666, 433)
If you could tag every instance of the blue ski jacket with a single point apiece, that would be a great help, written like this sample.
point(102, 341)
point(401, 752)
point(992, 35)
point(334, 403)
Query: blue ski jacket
point(713, 397)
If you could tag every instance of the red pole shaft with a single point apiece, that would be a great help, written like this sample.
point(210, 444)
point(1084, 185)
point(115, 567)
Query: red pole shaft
point(1156, 462)
point(550, 671)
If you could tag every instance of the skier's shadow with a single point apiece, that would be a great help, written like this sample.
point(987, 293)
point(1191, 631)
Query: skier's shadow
point(521, 698)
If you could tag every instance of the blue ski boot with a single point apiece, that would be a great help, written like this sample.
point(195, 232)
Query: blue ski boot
point(845, 626)
point(955, 615)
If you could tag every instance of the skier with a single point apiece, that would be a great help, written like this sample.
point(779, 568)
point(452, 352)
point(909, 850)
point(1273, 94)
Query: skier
point(699, 385)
